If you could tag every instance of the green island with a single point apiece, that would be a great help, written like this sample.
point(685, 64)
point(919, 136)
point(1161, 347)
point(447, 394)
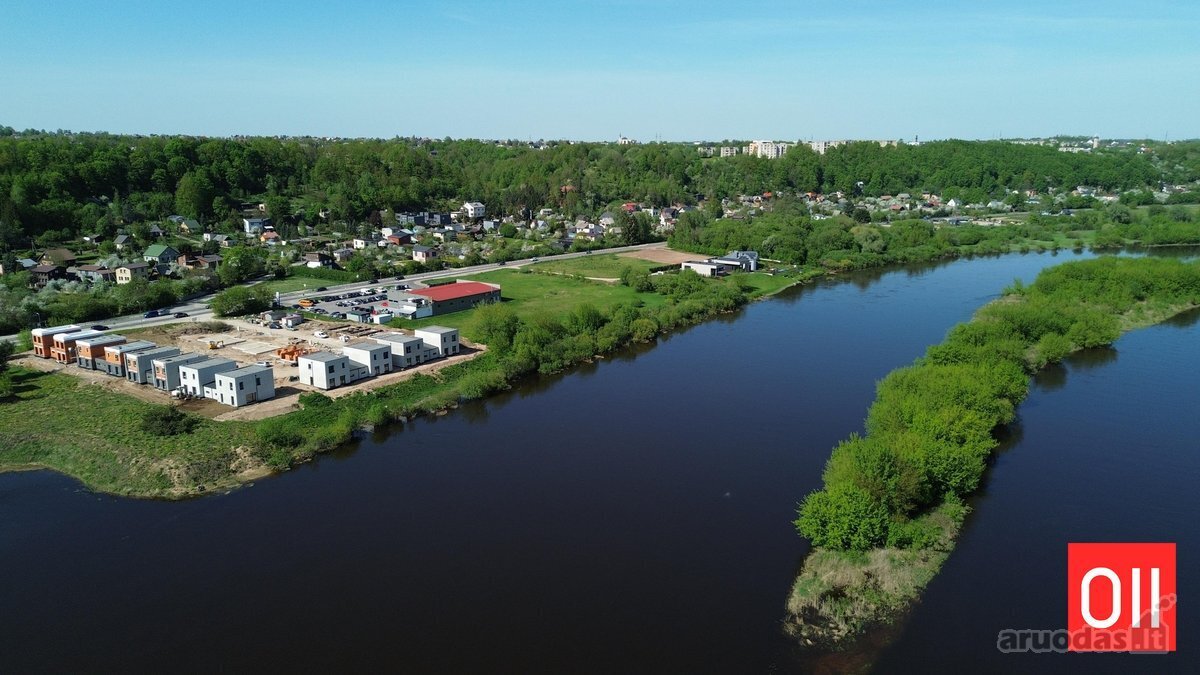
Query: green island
point(893, 499)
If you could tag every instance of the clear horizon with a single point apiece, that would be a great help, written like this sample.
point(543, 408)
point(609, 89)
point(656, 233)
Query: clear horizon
point(665, 70)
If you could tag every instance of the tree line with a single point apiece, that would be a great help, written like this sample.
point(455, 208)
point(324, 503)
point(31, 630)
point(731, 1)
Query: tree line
point(929, 432)
point(59, 186)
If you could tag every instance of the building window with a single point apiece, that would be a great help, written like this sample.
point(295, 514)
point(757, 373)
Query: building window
point(241, 386)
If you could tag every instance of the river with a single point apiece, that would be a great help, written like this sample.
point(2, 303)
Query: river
point(632, 515)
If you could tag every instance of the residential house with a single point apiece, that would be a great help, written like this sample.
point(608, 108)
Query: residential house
point(473, 210)
point(607, 219)
point(114, 356)
point(423, 253)
point(43, 338)
point(89, 352)
point(242, 386)
point(745, 260)
point(166, 370)
point(58, 256)
point(189, 226)
point(23, 264)
point(127, 273)
point(270, 238)
point(343, 254)
point(121, 241)
point(195, 376)
point(318, 259)
point(139, 366)
point(63, 345)
point(94, 273)
point(407, 350)
point(705, 268)
point(202, 264)
point(443, 340)
point(325, 370)
point(156, 232)
point(44, 274)
point(222, 239)
point(374, 356)
point(255, 225)
point(160, 256)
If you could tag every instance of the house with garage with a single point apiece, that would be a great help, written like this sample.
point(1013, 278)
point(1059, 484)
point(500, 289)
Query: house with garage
point(160, 256)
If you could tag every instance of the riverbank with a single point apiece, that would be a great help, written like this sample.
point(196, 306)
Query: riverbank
point(547, 323)
point(890, 511)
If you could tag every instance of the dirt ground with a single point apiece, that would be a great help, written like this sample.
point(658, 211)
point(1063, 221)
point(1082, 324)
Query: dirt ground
point(662, 255)
point(287, 397)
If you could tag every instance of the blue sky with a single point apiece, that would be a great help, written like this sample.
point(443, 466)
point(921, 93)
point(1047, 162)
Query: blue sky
point(676, 70)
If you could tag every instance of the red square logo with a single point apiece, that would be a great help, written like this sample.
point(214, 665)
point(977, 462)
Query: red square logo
point(1121, 597)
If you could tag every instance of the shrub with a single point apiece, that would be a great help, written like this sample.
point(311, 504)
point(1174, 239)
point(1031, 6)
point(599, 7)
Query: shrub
point(165, 420)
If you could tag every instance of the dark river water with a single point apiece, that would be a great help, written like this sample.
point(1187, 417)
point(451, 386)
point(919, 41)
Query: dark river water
point(631, 516)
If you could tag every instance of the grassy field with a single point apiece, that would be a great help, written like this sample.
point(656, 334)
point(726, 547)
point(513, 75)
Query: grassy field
point(296, 283)
point(596, 266)
point(551, 295)
point(85, 431)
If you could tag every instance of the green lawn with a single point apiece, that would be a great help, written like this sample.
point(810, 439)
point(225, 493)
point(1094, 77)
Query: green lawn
point(83, 430)
point(597, 266)
point(296, 283)
point(543, 294)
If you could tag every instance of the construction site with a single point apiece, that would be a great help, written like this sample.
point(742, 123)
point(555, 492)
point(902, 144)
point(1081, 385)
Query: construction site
point(250, 341)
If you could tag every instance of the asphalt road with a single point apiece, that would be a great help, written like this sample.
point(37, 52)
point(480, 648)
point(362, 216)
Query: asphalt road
point(198, 310)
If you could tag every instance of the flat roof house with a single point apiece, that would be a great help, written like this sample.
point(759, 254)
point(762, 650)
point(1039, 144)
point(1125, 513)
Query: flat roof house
point(458, 296)
point(243, 386)
point(114, 356)
point(374, 356)
point(89, 352)
point(43, 338)
point(444, 340)
point(705, 268)
point(325, 370)
point(166, 370)
point(62, 348)
point(407, 350)
point(195, 376)
point(139, 366)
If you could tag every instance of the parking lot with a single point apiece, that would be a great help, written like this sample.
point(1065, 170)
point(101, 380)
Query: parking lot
point(376, 298)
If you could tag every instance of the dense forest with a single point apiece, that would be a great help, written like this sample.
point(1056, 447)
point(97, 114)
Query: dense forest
point(55, 187)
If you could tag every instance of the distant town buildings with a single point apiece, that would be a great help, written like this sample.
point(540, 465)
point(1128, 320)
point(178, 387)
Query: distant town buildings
point(768, 149)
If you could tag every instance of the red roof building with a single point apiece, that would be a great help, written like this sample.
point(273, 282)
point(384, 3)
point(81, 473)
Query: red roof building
point(458, 296)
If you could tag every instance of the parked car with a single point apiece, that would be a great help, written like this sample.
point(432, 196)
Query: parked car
point(99, 326)
point(181, 315)
point(321, 334)
point(151, 314)
point(322, 289)
point(264, 364)
point(588, 252)
point(533, 259)
point(274, 324)
point(399, 277)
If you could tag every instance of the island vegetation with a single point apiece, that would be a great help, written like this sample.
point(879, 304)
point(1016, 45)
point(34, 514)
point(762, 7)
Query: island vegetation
point(894, 497)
